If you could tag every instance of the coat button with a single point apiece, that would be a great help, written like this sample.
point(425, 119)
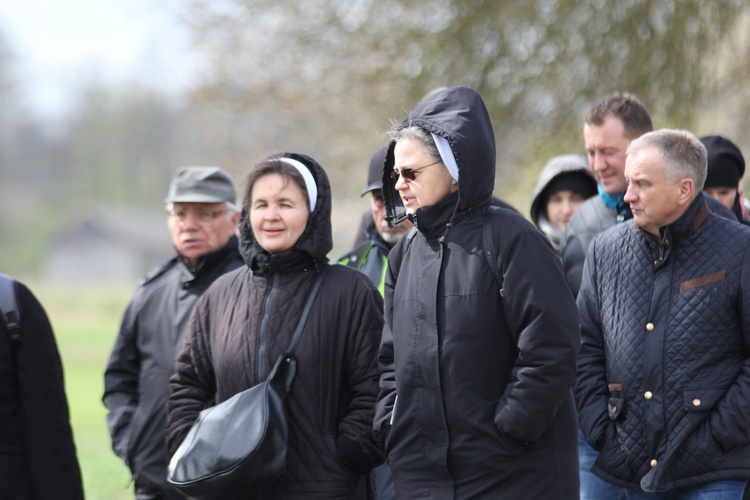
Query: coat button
point(696, 402)
point(648, 395)
point(650, 327)
point(653, 463)
point(614, 410)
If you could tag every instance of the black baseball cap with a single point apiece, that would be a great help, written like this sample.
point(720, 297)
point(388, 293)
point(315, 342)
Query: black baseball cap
point(375, 174)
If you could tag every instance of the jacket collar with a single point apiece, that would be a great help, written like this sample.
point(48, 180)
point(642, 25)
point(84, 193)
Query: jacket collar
point(689, 222)
point(211, 260)
point(435, 221)
point(373, 236)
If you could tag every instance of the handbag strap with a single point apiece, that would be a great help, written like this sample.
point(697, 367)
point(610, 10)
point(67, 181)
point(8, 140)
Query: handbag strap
point(306, 310)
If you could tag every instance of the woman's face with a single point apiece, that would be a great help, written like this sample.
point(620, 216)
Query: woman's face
point(561, 206)
point(278, 213)
point(432, 181)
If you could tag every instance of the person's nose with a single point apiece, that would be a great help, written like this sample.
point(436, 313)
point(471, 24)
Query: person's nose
point(272, 213)
point(630, 194)
point(569, 208)
point(188, 223)
point(597, 162)
point(401, 183)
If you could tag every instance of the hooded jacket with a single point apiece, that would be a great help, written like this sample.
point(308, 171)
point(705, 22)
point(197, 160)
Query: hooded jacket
point(664, 379)
point(557, 168)
point(476, 397)
point(246, 320)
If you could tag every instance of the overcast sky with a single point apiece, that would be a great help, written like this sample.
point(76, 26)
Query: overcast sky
point(59, 42)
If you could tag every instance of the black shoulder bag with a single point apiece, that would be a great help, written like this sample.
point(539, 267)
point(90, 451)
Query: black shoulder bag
point(240, 444)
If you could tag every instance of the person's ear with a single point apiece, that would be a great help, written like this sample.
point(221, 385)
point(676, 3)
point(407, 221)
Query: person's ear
point(687, 191)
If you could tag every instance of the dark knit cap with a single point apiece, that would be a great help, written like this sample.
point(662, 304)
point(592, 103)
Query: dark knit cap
point(375, 174)
point(578, 182)
point(726, 165)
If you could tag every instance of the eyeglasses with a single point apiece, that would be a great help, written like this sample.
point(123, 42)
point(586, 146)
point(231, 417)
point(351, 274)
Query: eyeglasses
point(204, 218)
point(409, 174)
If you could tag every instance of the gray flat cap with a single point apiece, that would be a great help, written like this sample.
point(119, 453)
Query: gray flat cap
point(201, 185)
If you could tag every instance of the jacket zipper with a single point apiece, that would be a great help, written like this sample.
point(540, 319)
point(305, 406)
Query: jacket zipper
point(264, 325)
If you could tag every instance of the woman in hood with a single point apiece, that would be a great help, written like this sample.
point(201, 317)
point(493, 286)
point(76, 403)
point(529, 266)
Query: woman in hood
point(476, 369)
point(246, 320)
point(564, 184)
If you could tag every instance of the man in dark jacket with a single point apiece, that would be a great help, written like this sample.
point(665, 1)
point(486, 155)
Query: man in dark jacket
point(609, 127)
point(476, 375)
point(663, 387)
point(202, 222)
point(371, 256)
point(37, 453)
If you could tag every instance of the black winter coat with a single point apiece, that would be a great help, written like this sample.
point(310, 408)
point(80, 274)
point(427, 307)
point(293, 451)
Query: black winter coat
point(476, 397)
point(37, 454)
point(246, 321)
point(664, 373)
point(136, 381)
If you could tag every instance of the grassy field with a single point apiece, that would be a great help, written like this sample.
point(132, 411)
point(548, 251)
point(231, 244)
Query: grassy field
point(86, 323)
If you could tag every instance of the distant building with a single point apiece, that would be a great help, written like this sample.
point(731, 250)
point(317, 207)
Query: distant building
point(108, 246)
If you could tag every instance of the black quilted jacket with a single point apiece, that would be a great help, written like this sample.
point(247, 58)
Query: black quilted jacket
point(247, 319)
point(663, 384)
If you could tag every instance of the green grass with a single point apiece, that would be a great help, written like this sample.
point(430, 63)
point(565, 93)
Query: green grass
point(85, 322)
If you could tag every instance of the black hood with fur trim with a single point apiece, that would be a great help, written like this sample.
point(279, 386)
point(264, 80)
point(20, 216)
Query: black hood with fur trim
point(459, 115)
point(311, 248)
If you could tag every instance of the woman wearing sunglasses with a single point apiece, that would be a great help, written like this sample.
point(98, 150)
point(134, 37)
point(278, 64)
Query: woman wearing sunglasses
point(475, 397)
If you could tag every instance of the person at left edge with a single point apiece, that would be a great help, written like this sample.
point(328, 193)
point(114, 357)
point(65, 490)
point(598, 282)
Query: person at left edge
point(247, 319)
point(202, 222)
point(37, 452)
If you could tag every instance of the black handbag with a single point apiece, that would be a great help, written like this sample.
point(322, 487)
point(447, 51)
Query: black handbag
point(240, 444)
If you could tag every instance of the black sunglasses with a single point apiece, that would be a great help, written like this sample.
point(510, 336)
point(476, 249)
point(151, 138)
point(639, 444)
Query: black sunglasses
point(409, 174)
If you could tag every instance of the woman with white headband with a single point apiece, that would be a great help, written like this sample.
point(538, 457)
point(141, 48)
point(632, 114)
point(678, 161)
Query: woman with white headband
point(246, 320)
point(479, 348)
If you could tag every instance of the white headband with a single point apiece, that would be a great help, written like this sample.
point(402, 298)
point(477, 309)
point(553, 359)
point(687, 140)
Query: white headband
point(446, 153)
point(312, 189)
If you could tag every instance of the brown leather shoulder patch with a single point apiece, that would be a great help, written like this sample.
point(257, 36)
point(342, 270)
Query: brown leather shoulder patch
point(703, 280)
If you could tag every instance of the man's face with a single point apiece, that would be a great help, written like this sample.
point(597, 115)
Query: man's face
point(390, 235)
point(726, 195)
point(192, 239)
point(653, 199)
point(606, 148)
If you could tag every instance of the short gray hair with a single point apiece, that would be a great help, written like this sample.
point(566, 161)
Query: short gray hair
point(683, 154)
point(419, 133)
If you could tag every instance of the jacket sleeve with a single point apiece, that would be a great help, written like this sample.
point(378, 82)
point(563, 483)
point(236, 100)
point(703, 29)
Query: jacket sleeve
point(541, 314)
point(574, 245)
point(48, 438)
point(730, 420)
point(355, 443)
point(591, 382)
point(121, 381)
point(193, 385)
point(386, 362)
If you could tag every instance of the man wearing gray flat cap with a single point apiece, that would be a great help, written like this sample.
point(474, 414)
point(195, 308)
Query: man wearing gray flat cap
point(202, 221)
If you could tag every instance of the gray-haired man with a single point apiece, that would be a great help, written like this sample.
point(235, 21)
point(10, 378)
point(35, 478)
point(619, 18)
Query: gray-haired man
point(202, 222)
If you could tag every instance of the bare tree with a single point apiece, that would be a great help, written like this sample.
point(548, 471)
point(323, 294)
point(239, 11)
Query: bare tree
point(328, 75)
